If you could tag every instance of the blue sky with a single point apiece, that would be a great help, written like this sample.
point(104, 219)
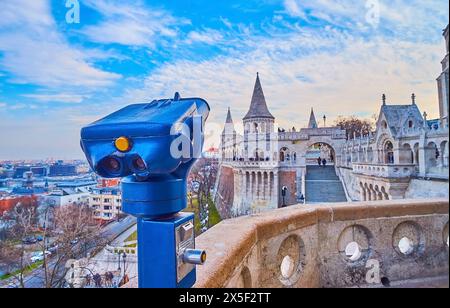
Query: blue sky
point(336, 56)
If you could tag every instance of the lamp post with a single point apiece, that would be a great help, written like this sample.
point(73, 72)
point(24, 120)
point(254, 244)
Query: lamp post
point(118, 268)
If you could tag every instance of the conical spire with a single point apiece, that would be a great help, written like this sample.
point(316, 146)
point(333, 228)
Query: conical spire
point(258, 106)
point(312, 120)
point(229, 118)
point(229, 125)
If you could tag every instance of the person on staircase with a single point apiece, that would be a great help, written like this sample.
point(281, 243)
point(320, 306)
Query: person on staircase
point(324, 162)
point(319, 161)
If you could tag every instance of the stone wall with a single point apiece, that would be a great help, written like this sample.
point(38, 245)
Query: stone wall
point(348, 179)
point(225, 191)
point(427, 189)
point(311, 246)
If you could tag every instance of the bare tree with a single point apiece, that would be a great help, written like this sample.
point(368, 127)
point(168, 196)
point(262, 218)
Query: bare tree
point(72, 234)
point(355, 126)
point(76, 235)
point(21, 220)
point(201, 183)
point(202, 180)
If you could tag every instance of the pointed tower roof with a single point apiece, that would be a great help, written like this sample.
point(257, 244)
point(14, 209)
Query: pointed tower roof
point(312, 120)
point(229, 119)
point(258, 106)
point(229, 125)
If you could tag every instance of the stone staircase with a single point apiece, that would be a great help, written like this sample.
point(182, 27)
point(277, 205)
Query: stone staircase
point(323, 185)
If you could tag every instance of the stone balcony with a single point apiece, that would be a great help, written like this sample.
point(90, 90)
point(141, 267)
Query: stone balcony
point(340, 245)
point(385, 171)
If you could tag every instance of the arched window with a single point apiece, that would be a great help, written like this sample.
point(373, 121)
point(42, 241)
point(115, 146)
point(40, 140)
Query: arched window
point(284, 156)
point(389, 153)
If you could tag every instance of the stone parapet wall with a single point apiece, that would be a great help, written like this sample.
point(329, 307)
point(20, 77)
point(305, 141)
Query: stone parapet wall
point(315, 238)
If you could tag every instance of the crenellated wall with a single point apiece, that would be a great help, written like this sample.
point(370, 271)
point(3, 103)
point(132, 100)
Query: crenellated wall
point(337, 245)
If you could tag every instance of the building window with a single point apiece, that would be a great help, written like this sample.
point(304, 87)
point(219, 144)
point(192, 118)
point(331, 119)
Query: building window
point(410, 124)
point(389, 150)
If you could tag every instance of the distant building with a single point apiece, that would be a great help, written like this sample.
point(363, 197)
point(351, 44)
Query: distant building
point(108, 182)
point(106, 202)
point(212, 153)
point(71, 193)
point(61, 169)
point(38, 171)
point(28, 191)
point(8, 203)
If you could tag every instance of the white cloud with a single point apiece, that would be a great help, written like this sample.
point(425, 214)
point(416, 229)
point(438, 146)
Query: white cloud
point(131, 24)
point(207, 36)
point(333, 72)
point(35, 52)
point(2, 105)
point(68, 98)
point(412, 18)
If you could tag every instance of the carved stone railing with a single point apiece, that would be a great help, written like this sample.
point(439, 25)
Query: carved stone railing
point(342, 245)
point(385, 171)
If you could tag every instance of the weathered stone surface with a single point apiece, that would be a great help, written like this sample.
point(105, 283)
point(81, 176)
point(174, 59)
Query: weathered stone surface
point(248, 251)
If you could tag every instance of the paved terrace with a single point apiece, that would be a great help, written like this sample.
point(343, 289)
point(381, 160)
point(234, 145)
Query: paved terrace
point(315, 246)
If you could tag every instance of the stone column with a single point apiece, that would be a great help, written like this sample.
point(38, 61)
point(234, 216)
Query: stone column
point(269, 185)
point(362, 193)
point(258, 185)
point(369, 194)
point(276, 188)
point(266, 184)
point(422, 161)
point(304, 182)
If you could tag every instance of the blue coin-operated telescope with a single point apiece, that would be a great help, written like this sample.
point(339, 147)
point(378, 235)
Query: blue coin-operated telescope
point(153, 146)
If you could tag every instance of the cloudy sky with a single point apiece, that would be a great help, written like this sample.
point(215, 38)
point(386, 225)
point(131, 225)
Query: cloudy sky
point(337, 56)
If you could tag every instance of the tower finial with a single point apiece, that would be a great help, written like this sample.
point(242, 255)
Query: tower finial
point(413, 98)
point(384, 99)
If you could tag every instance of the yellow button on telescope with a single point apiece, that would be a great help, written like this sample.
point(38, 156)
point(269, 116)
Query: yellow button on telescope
point(123, 144)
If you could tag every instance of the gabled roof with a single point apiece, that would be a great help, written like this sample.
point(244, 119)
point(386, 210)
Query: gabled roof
point(397, 115)
point(258, 106)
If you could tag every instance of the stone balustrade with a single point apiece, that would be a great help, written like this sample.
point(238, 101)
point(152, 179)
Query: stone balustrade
point(341, 245)
point(385, 171)
point(252, 164)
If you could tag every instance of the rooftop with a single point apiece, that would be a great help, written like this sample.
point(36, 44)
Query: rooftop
point(258, 106)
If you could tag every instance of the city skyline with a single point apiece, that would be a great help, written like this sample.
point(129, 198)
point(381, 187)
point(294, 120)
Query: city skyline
point(335, 56)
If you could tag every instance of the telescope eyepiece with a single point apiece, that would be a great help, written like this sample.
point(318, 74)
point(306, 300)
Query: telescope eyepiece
point(111, 165)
